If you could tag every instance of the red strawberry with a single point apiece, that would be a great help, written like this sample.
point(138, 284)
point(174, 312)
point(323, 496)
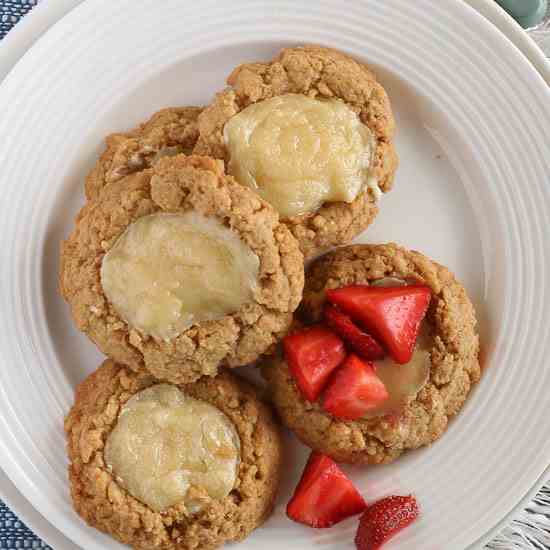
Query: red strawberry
point(391, 314)
point(312, 354)
point(383, 519)
point(354, 390)
point(324, 496)
point(362, 343)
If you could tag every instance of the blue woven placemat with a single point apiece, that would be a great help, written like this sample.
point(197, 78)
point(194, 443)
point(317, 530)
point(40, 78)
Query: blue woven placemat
point(13, 533)
point(10, 12)
point(529, 531)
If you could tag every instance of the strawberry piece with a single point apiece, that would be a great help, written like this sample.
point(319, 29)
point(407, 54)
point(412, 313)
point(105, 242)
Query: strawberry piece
point(362, 343)
point(383, 519)
point(391, 314)
point(354, 390)
point(324, 496)
point(312, 354)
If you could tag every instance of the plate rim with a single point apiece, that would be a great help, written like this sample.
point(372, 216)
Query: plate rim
point(31, 517)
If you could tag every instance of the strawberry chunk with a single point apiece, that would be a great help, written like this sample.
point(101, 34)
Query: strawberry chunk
point(324, 496)
point(391, 314)
point(383, 519)
point(362, 343)
point(312, 354)
point(354, 390)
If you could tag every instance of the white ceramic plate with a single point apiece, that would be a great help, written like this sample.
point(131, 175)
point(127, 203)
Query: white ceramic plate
point(45, 15)
point(471, 192)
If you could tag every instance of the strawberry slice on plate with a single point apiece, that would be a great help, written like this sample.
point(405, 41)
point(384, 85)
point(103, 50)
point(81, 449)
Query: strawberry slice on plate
point(324, 496)
point(384, 519)
point(391, 314)
point(354, 390)
point(312, 354)
point(362, 343)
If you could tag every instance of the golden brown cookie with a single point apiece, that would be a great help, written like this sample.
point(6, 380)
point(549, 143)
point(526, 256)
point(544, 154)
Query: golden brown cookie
point(168, 132)
point(179, 185)
point(454, 359)
point(101, 500)
point(315, 72)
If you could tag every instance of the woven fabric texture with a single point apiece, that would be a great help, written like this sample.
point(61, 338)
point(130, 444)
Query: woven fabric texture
point(10, 12)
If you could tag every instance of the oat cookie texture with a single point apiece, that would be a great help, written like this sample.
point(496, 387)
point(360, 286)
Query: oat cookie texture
point(454, 359)
point(180, 184)
point(316, 72)
point(169, 131)
point(104, 504)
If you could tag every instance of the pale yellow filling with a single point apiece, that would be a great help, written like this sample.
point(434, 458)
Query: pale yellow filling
point(403, 382)
point(168, 448)
point(297, 152)
point(167, 272)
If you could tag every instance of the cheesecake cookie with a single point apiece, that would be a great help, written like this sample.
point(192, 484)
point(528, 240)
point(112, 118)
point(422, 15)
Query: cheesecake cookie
point(416, 400)
point(171, 467)
point(312, 133)
point(167, 133)
point(180, 270)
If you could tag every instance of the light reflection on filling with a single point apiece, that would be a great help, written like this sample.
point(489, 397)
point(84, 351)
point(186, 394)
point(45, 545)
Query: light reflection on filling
point(169, 448)
point(167, 272)
point(297, 152)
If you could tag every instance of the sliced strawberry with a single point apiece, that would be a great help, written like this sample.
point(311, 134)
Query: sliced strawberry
point(383, 519)
point(312, 354)
point(362, 343)
point(391, 314)
point(354, 390)
point(324, 496)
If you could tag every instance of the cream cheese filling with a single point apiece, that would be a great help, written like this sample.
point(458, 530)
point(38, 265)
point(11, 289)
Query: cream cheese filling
point(298, 152)
point(168, 448)
point(167, 272)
